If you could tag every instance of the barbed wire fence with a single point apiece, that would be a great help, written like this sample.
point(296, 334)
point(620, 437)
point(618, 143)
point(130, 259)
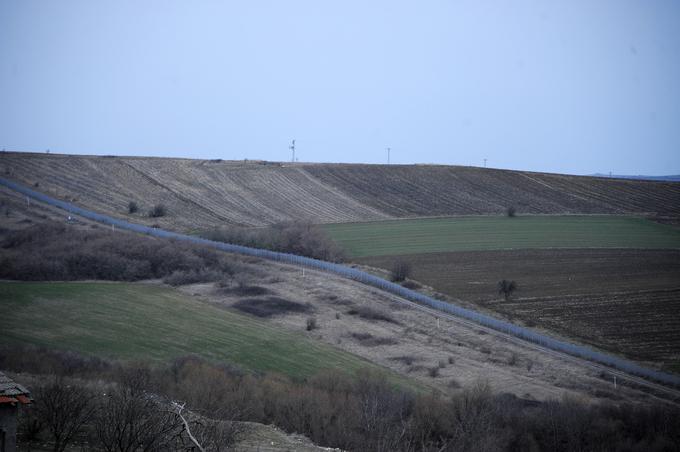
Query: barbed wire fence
point(369, 279)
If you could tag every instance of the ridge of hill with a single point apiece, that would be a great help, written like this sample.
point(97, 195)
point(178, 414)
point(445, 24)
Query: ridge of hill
point(669, 178)
point(201, 194)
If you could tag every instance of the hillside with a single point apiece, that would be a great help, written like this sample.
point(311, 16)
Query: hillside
point(205, 193)
point(355, 324)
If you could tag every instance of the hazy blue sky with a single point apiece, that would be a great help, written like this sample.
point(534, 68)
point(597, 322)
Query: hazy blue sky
point(565, 86)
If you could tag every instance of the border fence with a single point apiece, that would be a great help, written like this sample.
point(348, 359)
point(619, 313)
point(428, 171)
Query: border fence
point(372, 280)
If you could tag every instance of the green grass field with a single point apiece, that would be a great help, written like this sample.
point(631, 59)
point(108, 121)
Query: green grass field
point(428, 235)
point(153, 323)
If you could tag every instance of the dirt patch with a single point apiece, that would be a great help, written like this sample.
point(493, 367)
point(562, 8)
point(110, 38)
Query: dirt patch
point(372, 314)
point(368, 340)
point(246, 290)
point(270, 306)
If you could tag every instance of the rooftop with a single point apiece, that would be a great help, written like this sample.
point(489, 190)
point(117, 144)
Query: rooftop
point(12, 392)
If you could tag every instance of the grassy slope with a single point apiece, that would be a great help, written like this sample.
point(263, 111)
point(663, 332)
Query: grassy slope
point(488, 233)
point(135, 321)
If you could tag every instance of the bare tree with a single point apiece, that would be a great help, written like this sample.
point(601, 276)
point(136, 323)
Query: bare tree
point(506, 288)
point(63, 409)
point(128, 421)
point(474, 420)
point(187, 428)
point(382, 413)
point(400, 270)
point(204, 434)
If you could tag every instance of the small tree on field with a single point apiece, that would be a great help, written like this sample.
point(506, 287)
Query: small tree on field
point(511, 211)
point(132, 207)
point(400, 271)
point(157, 211)
point(506, 288)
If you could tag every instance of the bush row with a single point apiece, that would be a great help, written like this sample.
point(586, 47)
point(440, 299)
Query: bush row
point(298, 238)
point(53, 251)
point(365, 412)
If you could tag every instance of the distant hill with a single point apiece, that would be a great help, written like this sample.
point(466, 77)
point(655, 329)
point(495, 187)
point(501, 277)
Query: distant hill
point(202, 194)
point(640, 177)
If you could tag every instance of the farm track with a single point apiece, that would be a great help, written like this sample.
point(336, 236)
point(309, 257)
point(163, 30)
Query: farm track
point(204, 194)
point(353, 274)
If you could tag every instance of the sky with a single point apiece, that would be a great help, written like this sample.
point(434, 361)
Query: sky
point(570, 86)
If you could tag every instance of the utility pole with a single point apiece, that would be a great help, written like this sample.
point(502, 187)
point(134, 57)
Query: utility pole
point(484, 163)
point(388, 155)
point(292, 148)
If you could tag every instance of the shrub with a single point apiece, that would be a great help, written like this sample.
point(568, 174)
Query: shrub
point(311, 324)
point(411, 285)
point(157, 211)
point(400, 270)
point(433, 372)
point(511, 212)
point(132, 207)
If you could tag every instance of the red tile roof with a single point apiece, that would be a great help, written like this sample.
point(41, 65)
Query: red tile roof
point(12, 392)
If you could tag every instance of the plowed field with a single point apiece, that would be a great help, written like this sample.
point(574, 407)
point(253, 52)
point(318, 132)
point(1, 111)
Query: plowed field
point(200, 194)
point(624, 301)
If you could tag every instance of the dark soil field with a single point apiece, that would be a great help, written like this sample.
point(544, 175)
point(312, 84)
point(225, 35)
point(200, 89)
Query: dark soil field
point(624, 301)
